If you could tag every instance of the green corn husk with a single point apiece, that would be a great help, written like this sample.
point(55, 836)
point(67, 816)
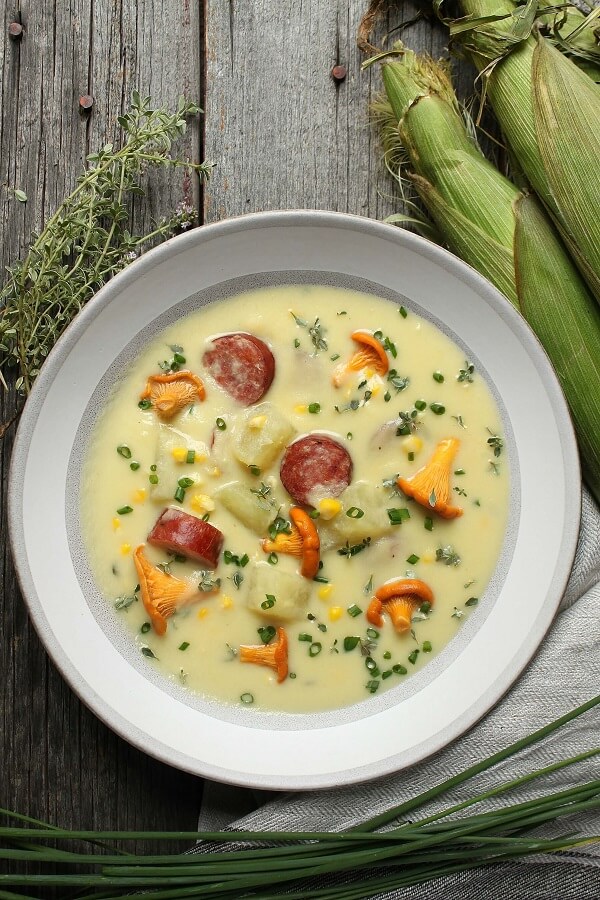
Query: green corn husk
point(575, 34)
point(549, 112)
point(497, 229)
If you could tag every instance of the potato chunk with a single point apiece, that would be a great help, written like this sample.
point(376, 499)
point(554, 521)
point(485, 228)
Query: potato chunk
point(291, 593)
point(365, 496)
point(245, 506)
point(260, 435)
point(171, 455)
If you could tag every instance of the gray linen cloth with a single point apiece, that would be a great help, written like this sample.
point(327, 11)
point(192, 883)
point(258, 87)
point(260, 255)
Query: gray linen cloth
point(564, 673)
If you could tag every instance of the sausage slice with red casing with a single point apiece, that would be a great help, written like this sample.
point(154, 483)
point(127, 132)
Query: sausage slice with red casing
point(242, 365)
point(178, 532)
point(314, 467)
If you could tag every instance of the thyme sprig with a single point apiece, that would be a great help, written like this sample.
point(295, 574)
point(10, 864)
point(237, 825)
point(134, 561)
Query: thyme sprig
point(88, 239)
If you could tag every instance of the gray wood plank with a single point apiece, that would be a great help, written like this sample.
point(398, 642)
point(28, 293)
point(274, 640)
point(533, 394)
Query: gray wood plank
point(285, 134)
point(59, 762)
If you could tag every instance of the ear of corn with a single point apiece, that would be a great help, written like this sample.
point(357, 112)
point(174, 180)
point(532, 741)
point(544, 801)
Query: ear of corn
point(534, 90)
point(576, 35)
point(500, 231)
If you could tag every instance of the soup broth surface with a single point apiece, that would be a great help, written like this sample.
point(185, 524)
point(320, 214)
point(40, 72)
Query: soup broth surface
point(390, 424)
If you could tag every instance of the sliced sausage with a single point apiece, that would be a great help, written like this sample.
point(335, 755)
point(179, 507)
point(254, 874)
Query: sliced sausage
point(242, 365)
point(178, 532)
point(315, 466)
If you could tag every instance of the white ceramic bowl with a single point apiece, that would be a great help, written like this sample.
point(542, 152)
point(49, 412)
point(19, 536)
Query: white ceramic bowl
point(383, 733)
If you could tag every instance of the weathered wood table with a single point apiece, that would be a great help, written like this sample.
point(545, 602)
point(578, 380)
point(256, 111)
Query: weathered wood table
point(284, 133)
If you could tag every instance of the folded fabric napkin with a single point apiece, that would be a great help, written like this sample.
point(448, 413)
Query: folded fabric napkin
point(564, 673)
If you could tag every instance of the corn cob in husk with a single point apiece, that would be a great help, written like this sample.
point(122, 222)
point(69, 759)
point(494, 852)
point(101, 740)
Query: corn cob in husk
point(549, 112)
point(497, 229)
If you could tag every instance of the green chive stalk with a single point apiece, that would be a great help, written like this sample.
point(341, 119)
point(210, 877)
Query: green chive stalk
point(549, 112)
point(268, 865)
point(498, 229)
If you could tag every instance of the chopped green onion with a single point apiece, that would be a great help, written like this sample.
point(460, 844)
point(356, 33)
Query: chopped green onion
point(321, 579)
point(372, 634)
point(303, 636)
point(387, 655)
point(179, 495)
point(372, 686)
point(190, 457)
point(411, 456)
point(314, 514)
point(267, 633)
point(397, 516)
point(146, 651)
point(437, 408)
point(247, 698)
point(426, 646)
point(428, 524)
point(315, 649)
point(351, 642)
point(221, 424)
point(296, 343)
point(145, 627)
point(184, 646)
point(254, 470)
point(403, 312)
point(272, 559)
point(399, 670)
point(370, 663)
point(134, 466)
point(153, 478)
point(354, 610)
point(206, 517)
point(472, 601)
point(387, 673)
point(355, 512)
point(412, 657)
point(124, 451)
point(413, 558)
point(185, 482)
point(387, 396)
point(145, 404)
point(425, 607)
point(437, 376)
point(269, 603)
point(335, 357)
point(314, 407)
point(123, 510)
point(420, 405)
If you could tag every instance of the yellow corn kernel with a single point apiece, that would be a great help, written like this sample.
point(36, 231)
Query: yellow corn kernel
point(139, 496)
point(428, 556)
point(125, 549)
point(202, 503)
point(257, 422)
point(200, 457)
point(179, 454)
point(325, 591)
point(301, 408)
point(226, 602)
point(202, 612)
point(116, 524)
point(412, 444)
point(329, 508)
point(335, 613)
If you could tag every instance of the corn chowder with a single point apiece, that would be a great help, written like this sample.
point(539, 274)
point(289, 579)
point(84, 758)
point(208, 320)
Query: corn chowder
point(297, 512)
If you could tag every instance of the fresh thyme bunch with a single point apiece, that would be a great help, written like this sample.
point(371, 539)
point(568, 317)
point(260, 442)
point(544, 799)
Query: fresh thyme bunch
point(88, 240)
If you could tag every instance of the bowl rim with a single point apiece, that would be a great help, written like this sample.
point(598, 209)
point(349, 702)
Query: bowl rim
point(429, 252)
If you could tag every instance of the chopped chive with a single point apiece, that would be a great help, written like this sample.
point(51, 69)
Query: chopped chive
point(185, 482)
point(296, 343)
point(413, 558)
point(437, 408)
point(267, 633)
point(399, 670)
point(124, 451)
point(179, 495)
point(437, 376)
point(153, 467)
point(354, 610)
point(221, 424)
point(426, 646)
point(351, 642)
point(355, 512)
point(315, 648)
point(372, 634)
point(397, 516)
point(412, 657)
point(146, 651)
point(322, 627)
point(254, 470)
point(370, 664)
point(303, 636)
point(372, 686)
point(153, 478)
point(134, 466)
point(145, 404)
point(184, 646)
point(472, 601)
point(334, 357)
point(387, 655)
point(190, 457)
point(292, 675)
point(269, 603)
point(123, 510)
point(247, 698)
point(244, 560)
point(403, 312)
point(145, 627)
point(411, 456)
point(387, 396)
point(314, 407)
point(428, 524)
point(420, 405)
point(386, 674)
point(272, 559)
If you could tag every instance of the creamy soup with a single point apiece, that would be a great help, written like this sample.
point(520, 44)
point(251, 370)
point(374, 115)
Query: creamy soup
point(294, 497)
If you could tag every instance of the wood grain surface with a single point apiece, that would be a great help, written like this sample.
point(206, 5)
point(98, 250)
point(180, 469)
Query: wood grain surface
point(284, 134)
